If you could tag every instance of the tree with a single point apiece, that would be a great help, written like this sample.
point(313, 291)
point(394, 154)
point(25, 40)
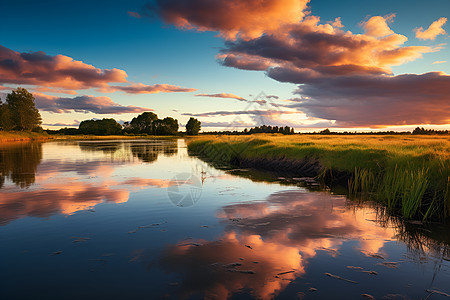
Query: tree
point(143, 123)
point(24, 114)
point(166, 126)
point(5, 117)
point(193, 126)
point(100, 127)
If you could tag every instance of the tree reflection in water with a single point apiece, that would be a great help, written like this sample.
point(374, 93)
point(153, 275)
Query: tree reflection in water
point(58, 189)
point(18, 162)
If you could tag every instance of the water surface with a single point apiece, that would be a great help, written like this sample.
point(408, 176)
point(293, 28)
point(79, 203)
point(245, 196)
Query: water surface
point(143, 219)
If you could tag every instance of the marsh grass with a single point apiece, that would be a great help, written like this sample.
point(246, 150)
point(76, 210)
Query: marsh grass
point(410, 175)
point(11, 136)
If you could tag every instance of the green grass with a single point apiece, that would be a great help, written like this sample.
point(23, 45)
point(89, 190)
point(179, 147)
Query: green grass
point(410, 175)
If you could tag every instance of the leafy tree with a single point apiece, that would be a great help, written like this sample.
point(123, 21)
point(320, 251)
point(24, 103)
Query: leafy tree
point(166, 126)
point(143, 123)
point(68, 131)
point(5, 117)
point(193, 126)
point(24, 114)
point(100, 127)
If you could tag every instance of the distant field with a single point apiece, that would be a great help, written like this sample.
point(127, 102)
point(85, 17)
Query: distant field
point(409, 174)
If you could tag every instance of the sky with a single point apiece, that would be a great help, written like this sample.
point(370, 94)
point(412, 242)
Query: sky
point(347, 65)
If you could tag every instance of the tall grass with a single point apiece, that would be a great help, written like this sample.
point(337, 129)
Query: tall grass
point(11, 136)
point(362, 182)
point(409, 174)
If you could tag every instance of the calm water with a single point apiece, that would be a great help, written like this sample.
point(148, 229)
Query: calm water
point(144, 220)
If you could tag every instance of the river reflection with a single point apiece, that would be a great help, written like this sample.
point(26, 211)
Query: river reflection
point(268, 244)
point(18, 162)
point(67, 184)
point(96, 215)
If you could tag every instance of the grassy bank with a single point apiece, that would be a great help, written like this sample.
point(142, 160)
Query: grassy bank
point(111, 137)
point(15, 136)
point(409, 174)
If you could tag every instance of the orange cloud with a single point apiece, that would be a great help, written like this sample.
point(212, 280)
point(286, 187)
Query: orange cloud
point(38, 68)
point(63, 74)
point(53, 90)
point(140, 88)
point(239, 112)
point(244, 61)
point(439, 62)
point(377, 26)
point(307, 51)
point(337, 23)
point(232, 18)
point(433, 31)
point(222, 95)
point(324, 58)
point(85, 104)
point(378, 101)
point(301, 50)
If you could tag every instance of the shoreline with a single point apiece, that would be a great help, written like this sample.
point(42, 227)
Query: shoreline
point(409, 176)
point(7, 137)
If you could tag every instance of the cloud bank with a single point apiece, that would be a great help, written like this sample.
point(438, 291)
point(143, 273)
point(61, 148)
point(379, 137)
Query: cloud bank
point(38, 68)
point(222, 95)
point(84, 104)
point(140, 88)
point(63, 74)
point(244, 19)
point(342, 75)
point(378, 100)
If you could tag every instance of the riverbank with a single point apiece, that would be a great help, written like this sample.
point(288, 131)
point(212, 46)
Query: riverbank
point(409, 174)
point(18, 136)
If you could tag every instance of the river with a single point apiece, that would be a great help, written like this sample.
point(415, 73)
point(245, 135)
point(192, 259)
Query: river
point(142, 219)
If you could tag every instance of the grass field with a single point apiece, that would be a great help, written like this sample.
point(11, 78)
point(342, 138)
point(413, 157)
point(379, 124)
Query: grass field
point(409, 174)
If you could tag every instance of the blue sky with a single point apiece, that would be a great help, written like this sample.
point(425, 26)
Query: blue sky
point(103, 34)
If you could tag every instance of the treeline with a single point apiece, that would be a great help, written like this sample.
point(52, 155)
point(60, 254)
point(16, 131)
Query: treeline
point(288, 130)
point(417, 130)
point(19, 112)
point(257, 129)
point(270, 129)
point(146, 123)
point(422, 130)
